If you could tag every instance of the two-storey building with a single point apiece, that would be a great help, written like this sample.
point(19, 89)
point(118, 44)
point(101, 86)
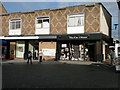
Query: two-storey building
point(3, 43)
point(71, 33)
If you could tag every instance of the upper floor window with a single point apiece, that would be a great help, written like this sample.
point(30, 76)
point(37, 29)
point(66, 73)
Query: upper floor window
point(43, 25)
point(75, 23)
point(76, 20)
point(42, 22)
point(15, 24)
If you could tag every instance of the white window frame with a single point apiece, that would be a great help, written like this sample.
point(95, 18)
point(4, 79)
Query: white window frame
point(75, 15)
point(15, 20)
point(70, 29)
point(42, 18)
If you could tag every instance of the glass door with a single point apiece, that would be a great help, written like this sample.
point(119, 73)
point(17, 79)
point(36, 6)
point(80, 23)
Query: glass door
point(36, 50)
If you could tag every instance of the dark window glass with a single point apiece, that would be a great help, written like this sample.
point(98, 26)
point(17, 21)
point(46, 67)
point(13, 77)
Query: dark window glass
point(39, 21)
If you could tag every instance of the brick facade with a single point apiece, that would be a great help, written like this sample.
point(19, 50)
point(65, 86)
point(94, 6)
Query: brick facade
point(58, 28)
point(47, 45)
point(58, 19)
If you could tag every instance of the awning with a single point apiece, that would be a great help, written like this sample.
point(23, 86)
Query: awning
point(27, 37)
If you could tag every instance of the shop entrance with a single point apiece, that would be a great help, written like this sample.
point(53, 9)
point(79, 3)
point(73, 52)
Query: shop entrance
point(91, 51)
point(33, 46)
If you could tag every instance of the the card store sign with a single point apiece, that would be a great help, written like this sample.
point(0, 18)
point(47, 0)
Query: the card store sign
point(78, 37)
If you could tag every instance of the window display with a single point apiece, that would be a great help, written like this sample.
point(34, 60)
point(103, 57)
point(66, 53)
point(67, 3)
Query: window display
point(81, 48)
point(20, 47)
point(74, 52)
point(64, 52)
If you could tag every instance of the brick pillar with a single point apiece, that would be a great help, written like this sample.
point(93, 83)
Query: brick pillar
point(99, 50)
point(12, 49)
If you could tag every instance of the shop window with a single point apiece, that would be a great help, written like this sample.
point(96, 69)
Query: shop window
point(64, 52)
point(118, 51)
point(74, 52)
point(20, 49)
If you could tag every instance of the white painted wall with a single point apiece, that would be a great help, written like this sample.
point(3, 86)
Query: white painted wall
point(75, 30)
point(104, 28)
point(42, 31)
point(104, 50)
point(15, 32)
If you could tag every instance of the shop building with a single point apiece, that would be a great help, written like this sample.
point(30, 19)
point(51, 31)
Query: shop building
point(72, 33)
point(3, 43)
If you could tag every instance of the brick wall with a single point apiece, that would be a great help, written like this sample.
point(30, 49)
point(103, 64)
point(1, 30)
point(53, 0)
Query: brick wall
point(58, 19)
point(47, 45)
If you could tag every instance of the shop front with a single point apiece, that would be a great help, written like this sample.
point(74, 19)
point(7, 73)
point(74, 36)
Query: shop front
point(4, 49)
point(84, 47)
point(78, 50)
point(19, 47)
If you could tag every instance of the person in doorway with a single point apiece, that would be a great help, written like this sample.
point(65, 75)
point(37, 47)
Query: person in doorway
point(112, 54)
point(41, 54)
point(29, 57)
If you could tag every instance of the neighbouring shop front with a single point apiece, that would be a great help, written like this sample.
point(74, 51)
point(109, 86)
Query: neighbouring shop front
point(22, 48)
point(78, 50)
point(18, 49)
point(4, 49)
point(84, 47)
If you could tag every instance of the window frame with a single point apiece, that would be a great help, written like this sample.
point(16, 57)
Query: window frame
point(42, 18)
point(71, 15)
point(15, 20)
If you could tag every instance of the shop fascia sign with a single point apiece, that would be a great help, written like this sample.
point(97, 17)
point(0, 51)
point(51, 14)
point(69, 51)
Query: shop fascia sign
point(78, 37)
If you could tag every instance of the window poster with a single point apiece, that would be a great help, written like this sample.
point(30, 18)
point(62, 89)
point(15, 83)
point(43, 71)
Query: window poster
point(38, 26)
point(66, 49)
point(64, 45)
point(20, 49)
point(48, 52)
point(45, 24)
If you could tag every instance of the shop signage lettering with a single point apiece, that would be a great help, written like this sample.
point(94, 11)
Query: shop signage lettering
point(48, 52)
point(78, 37)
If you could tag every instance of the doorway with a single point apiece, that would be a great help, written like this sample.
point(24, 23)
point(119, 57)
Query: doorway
point(91, 53)
point(34, 48)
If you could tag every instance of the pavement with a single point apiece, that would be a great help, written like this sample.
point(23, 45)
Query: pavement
point(52, 62)
point(105, 64)
point(33, 61)
point(58, 74)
